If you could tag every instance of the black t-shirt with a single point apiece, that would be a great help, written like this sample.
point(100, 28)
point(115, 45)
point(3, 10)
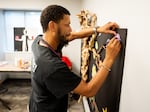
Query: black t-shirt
point(51, 81)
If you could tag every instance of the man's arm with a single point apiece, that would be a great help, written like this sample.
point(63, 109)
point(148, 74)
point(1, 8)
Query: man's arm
point(107, 28)
point(90, 89)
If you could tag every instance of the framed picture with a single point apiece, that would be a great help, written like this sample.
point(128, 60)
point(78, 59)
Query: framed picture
point(107, 98)
point(18, 41)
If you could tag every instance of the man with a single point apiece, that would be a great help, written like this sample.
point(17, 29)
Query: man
point(51, 78)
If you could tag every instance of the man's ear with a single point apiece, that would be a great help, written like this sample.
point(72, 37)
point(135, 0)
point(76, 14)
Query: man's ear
point(52, 26)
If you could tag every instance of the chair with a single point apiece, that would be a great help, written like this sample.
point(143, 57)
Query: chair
point(3, 90)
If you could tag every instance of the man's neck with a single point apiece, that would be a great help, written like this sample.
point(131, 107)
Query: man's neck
point(51, 41)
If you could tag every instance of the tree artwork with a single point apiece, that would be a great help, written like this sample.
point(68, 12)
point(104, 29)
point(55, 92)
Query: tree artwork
point(92, 54)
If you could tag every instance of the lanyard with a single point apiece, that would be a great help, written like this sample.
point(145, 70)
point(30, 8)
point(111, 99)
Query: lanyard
point(50, 48)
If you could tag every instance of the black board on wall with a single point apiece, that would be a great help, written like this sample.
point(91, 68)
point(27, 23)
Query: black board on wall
point(107, 98)
point(18, 32)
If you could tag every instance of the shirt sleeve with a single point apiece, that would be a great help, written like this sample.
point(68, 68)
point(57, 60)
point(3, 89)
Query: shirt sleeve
point(62, 81)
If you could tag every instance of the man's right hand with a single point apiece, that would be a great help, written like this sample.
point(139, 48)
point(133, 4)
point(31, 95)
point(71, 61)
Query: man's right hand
point(112, 49)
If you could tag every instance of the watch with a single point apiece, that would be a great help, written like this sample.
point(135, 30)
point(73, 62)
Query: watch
point(95, 30)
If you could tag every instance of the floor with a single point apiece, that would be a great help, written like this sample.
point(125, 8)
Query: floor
point(17, 97)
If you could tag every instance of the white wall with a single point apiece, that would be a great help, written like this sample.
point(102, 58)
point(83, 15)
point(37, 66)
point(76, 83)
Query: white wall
point(73, 49)
point(134, 15)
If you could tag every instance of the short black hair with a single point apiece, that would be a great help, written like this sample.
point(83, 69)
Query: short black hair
point(52, 13)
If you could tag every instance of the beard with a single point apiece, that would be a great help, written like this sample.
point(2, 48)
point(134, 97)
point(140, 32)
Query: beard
point(62, 40)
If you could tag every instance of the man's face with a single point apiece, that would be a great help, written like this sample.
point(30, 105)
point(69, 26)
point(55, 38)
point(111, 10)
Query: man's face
point(64, 30)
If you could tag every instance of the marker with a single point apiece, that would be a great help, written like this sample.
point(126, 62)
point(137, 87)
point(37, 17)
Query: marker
point(118, 36)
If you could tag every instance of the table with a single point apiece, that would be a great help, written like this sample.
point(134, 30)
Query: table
point(11, 71)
